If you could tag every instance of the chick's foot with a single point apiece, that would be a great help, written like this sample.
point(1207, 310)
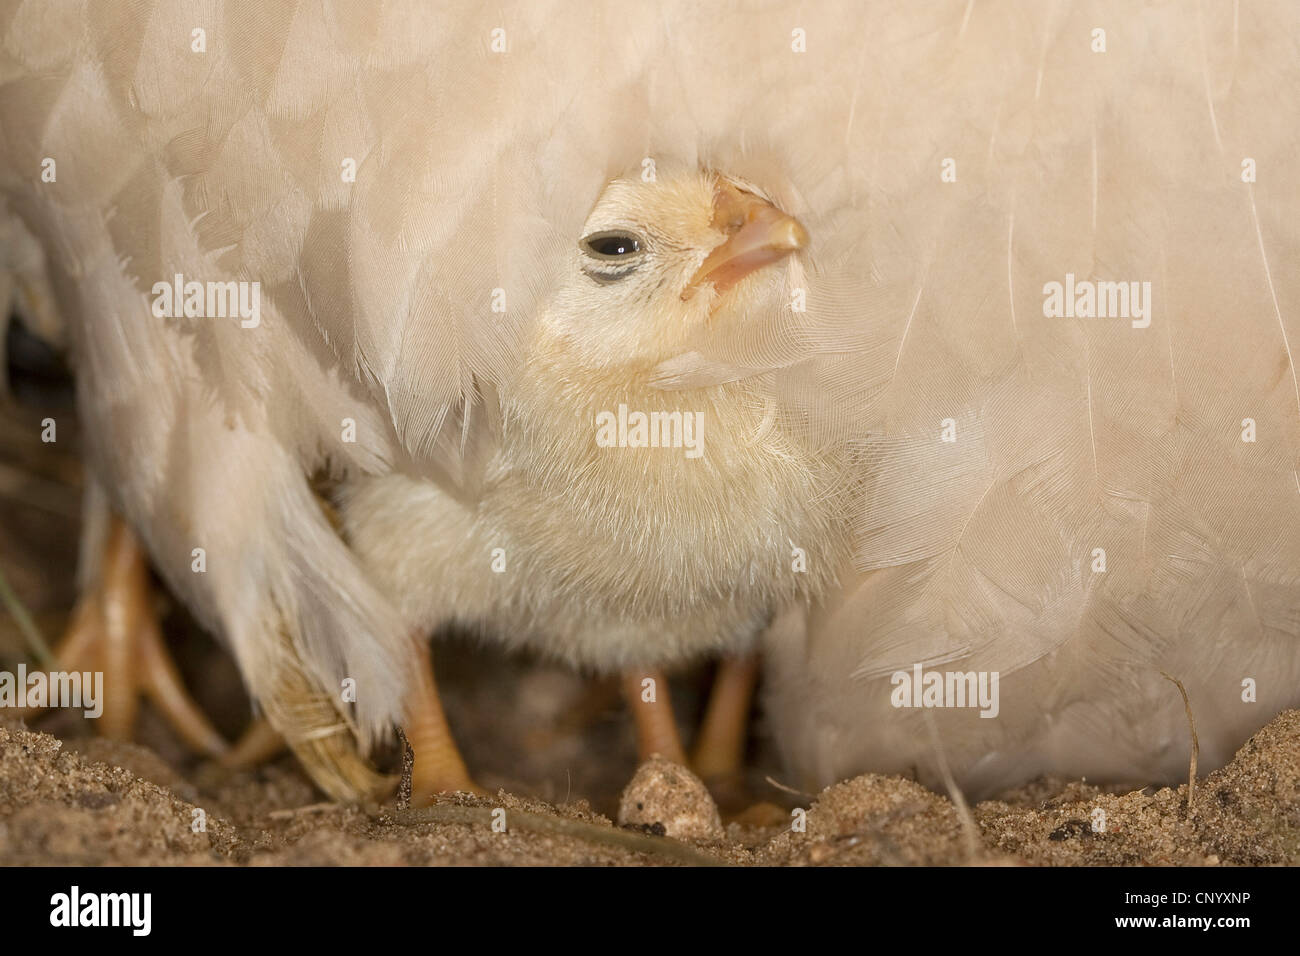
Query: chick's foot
point(647, 697)
point(439, 767)
point(718, 756)
point(719, 751)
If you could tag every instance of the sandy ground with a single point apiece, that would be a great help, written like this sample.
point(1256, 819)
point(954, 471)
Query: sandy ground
point(557, 748)
point(93, 802)
point(84, 800)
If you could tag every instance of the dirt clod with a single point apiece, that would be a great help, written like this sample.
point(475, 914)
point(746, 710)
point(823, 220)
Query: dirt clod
point(666, 798)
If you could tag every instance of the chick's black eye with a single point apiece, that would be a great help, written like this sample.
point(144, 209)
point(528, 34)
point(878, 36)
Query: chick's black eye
point(614, 246)
point(611, 245)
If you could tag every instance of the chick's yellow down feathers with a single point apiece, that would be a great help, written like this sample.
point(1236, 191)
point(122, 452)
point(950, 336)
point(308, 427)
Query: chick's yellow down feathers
point(622, 556)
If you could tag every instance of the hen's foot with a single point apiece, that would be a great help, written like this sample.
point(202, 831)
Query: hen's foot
point(259, 743)
point(114, 631)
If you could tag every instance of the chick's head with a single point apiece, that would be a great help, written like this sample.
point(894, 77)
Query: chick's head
point(659, 260)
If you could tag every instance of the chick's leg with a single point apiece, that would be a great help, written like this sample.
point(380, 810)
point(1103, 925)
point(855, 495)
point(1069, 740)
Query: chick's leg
point(439, 767)
point(115, 631)
point(720, 745)
point(718, 755)
point(652, 712)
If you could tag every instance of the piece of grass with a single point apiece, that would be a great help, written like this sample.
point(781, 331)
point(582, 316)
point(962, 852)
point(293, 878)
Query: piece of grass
point(1196, 744)
point(656, 846)
point(26, 626)
point(968, 825)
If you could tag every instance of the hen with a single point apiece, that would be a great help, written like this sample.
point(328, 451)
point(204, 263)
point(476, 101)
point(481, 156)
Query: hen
point(926, 307)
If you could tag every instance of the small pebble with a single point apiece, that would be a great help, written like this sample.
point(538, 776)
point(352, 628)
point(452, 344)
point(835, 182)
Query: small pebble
point(664, 797)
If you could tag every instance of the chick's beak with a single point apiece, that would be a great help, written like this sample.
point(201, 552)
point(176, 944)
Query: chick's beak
point(758, 234)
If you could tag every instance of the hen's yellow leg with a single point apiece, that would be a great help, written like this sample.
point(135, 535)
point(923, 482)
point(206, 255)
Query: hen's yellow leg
point(114, 631)
point(259, 743)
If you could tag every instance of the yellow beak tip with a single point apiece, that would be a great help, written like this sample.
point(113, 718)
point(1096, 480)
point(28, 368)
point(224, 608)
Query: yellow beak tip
point(792, 235)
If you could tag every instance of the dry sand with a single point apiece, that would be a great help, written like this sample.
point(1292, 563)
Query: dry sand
point(94, 802)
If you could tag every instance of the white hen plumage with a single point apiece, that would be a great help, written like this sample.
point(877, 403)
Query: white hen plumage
point(1072, 434)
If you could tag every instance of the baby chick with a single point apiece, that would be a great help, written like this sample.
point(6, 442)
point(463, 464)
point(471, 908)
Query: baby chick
point(630, 557)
